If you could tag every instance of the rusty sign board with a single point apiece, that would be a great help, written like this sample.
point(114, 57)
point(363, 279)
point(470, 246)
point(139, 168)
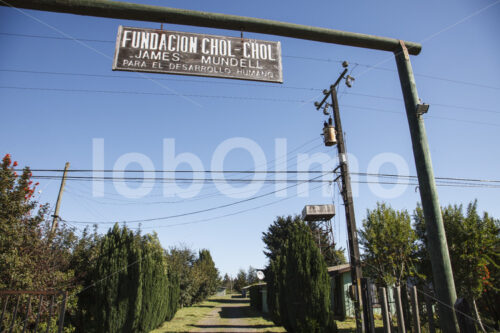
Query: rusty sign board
point(185, 53)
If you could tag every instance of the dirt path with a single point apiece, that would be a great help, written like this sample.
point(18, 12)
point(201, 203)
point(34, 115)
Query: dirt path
point(234, 315)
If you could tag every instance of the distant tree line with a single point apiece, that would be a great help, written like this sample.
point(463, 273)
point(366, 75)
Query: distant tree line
point(243, 278)
point(118, 282)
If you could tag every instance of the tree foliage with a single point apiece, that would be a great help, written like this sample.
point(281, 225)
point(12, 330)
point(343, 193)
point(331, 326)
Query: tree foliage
point(251, 276)
point(473, 243)
point(123, 281)
point(206, 274)
point(389, 244)
point(277, 234)
point(297, 279)
point(333, 256)
point(198, 277)
point(182, 260)
point(241, 280)
point(30, 257)
point(227, 282)
point(132, 288)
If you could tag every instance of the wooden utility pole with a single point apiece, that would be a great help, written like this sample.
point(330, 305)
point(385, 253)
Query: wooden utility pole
point(58, 202)
point(346, 191)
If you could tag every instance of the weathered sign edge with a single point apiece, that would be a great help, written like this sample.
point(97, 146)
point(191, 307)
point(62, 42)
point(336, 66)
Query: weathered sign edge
point(114, 66)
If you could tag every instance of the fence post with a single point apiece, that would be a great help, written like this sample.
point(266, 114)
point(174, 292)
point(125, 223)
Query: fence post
point(414, 305)
point(368, 305)
point(14, 314)
point(399, 310)
point(429, 310)
point(26, 319)
point(51, 309)
point(385, 310)
point(465, 323)
point(4, 308)
point(61, 313)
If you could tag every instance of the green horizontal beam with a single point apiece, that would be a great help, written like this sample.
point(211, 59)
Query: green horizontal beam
point(138, 12)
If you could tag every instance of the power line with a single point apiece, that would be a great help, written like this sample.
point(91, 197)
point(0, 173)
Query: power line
point(54, 37)
point(260, 196)
point(130, 92)
point(175, 79)
point(204, 210)
point(233, 172)
point(266, 99)
point(433, 77)
point(236, 84)
point(182, 180)
point(230, 214)
point(245, 181)
point(174, 171)
point(217, 193)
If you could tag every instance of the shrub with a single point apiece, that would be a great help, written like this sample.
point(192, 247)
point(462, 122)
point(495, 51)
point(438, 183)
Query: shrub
point(132, 290)
point(298, 283)
point(256, 296)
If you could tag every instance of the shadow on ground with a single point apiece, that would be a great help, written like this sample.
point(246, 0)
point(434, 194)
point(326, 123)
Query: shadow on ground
point(226, 301)
point(233, 326)
point(237, 312)
point(203, 306)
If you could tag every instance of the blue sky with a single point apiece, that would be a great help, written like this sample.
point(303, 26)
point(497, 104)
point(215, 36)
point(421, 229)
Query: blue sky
point(457, 73)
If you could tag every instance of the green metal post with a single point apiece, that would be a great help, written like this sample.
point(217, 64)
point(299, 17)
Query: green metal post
point(148, 13)
point(444, 285)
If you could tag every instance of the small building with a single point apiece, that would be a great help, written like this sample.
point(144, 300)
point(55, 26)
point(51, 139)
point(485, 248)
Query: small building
point(340, 281)
point(258, 296)
point(221, 291)
point(245, 291)
point(341, 301)
point(342, 304)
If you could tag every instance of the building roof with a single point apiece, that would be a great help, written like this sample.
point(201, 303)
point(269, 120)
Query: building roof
point(255, 284)
point(339, 269)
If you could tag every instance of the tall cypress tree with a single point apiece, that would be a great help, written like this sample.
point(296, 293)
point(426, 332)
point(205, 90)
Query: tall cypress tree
point(118, 292)
point(155, 284)
point(272, 279)
point(206, 275)
point(298, 281)
point(306, 284)
point(174, 292)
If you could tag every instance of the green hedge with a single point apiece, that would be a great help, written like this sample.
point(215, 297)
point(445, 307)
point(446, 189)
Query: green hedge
point(256, 297)
point(298, 284)
point(133, 288)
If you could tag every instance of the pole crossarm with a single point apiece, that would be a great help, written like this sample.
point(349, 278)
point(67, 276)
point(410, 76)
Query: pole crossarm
point(139, 12)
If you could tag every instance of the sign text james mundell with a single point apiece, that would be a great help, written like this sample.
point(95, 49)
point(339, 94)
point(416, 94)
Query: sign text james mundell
point(160, 51)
